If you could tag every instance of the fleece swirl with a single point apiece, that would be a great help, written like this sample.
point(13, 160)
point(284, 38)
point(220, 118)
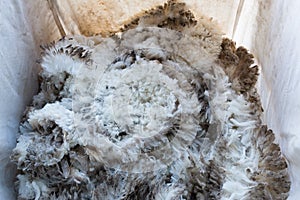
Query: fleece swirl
point(164, 109)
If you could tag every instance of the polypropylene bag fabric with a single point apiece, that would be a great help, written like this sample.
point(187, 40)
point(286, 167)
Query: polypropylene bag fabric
point(268, 28)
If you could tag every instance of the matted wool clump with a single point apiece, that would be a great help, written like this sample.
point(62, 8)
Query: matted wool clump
point(163, 109)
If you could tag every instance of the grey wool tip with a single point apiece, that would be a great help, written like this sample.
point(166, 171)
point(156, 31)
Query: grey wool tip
point(165, 109)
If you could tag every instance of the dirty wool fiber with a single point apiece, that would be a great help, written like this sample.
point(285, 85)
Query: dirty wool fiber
point(164, 109)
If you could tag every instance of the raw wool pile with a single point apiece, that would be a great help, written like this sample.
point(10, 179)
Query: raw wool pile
point(164, 109)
